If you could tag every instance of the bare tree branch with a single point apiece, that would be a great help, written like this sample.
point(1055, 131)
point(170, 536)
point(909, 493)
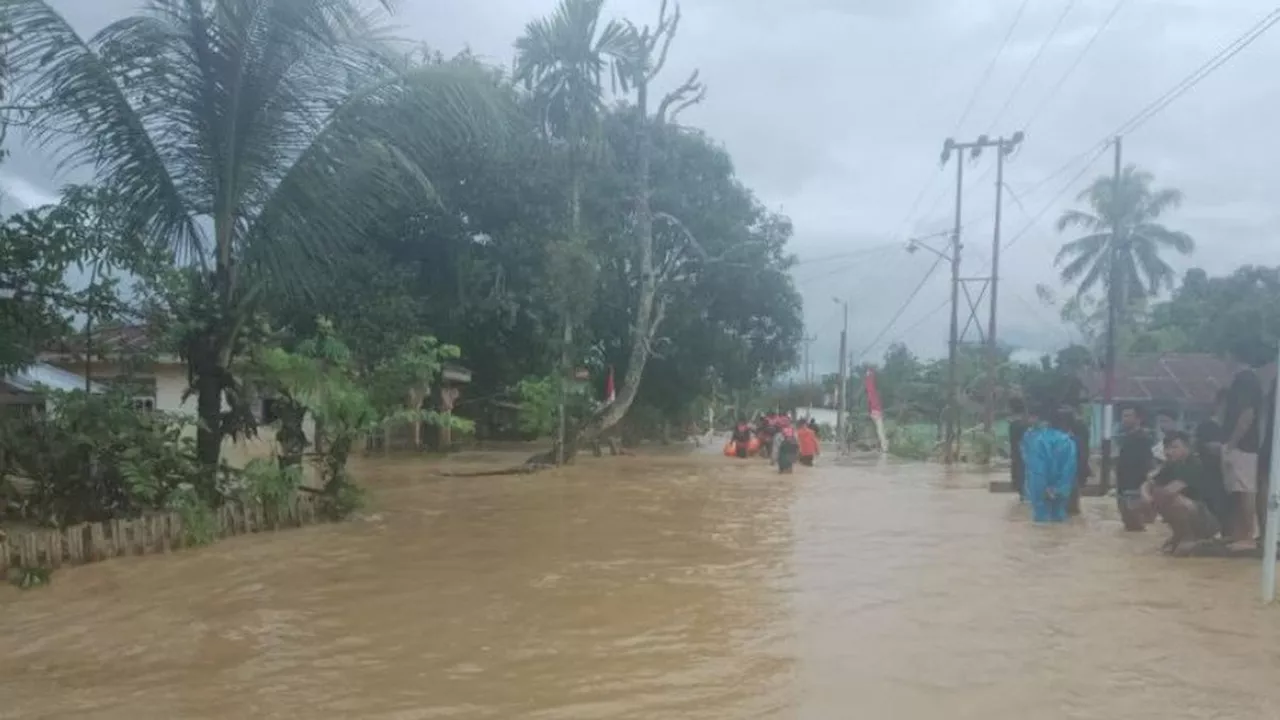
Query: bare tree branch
point(665, 33)
point(691, 91)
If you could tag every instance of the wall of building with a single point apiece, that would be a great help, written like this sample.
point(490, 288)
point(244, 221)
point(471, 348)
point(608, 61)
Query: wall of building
point(171, 385)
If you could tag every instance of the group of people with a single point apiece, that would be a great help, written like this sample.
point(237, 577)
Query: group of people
point(777, 438)
point(1209, 486)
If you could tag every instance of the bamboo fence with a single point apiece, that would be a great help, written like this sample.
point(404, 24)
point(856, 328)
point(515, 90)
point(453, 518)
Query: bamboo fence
point(156, 533)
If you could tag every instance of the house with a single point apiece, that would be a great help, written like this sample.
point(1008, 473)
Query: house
point(159, 385)
point(1180, 384)
point(20, 390)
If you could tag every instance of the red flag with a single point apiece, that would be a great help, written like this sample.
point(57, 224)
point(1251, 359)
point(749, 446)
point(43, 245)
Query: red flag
point(873, 397)
point(609, 394)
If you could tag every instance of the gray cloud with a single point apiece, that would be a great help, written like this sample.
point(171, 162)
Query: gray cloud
point(835, 111)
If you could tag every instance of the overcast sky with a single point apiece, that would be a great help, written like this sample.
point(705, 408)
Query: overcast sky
point(835, 112)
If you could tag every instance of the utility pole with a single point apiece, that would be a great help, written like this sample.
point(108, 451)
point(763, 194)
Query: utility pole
point(808, 340)
point(974, 149)
point(1004, 147)
point(1109, 386)
point(841, 394)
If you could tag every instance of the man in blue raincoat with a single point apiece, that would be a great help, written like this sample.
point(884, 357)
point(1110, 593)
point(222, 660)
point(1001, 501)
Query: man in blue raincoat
point(1049, 454)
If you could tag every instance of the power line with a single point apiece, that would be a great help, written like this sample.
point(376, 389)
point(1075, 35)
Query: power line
point(1153, 108)
point(1049, 205)
point(991, 66)
point(901, 309)
point(1035, 59)
point(964, 115)
point(927, 317)
point(1062, 81)
point(1231, 50)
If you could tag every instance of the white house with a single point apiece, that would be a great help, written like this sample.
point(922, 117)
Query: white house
point(161, 385)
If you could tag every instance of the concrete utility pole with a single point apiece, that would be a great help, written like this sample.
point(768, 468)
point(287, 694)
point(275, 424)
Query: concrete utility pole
point(974, 149)
point(808, 340)
point(1004, 147)
point(842, 400)
point(1109, 386)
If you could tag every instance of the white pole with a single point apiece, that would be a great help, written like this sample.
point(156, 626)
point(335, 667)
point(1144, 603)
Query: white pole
point(1269, 538)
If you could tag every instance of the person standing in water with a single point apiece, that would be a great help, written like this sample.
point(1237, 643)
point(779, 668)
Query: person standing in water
point(1019, 423)
point(742, 439)
point(786, 447)
point(1080, 434)
point(1050, 456)
point(1133, 464)
point(807, 439)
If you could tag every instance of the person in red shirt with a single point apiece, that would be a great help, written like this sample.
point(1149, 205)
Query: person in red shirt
point(807, 436)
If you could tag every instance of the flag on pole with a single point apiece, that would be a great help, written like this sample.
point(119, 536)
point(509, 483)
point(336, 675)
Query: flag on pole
point(609, 394)
point(873, 397)
point(877, 412)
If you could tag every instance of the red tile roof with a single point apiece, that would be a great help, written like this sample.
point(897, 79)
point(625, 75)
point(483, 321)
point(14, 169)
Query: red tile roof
point(1178, 378)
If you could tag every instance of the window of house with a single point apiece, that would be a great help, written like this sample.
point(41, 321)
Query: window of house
point(144, 404)
point(270, 411)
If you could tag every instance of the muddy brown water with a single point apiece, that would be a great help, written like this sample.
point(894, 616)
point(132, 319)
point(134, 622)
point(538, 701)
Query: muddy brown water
point(672, 587)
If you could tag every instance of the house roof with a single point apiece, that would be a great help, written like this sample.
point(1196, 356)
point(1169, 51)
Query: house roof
point(34, 377)
point(1173, 378)
point(108, 340)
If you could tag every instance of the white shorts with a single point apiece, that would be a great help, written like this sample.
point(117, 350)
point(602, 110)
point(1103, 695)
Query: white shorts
point(1240, 471)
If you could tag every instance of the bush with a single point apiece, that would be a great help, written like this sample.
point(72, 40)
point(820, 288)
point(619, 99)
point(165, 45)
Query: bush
point(981, 446)
point(268, 484)
point(908, 445)
point(199, 522)
point(94, 456)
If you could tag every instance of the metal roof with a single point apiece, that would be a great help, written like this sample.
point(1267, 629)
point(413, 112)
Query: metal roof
point(34, 377)
point(1179, 378)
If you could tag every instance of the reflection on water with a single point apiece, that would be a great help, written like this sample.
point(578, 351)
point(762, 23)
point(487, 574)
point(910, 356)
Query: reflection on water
point(671, 587)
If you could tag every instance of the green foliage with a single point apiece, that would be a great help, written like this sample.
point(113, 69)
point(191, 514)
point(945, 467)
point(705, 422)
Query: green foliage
point(270, 485)
point(30, 578)
point(539, 398)
point(333, 131)
point(1125, 227)
point(37, 249)
point(199, 521)
point(94, 457)
point(908, 445)
point(979, 446)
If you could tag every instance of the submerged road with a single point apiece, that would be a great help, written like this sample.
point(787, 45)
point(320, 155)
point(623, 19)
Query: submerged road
point(647, 588)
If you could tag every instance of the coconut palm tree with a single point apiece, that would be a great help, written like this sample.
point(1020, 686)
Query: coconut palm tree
point(1126, 232)
point(254, 139)
point(562, 60)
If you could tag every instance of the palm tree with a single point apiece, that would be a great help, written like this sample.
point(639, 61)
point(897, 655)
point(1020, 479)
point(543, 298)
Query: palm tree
point(1126, 232)
point(254, 139)
point(561, 59)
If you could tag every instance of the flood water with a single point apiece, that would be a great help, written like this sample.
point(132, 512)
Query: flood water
point(654, 588)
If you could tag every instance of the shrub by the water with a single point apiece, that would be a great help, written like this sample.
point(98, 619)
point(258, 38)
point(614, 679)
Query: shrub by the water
point(92, 457)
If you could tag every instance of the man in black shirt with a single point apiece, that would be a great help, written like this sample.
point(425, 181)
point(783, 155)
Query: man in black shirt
point(1209, 438)
point(1266, 428)
point(1178, 494)
point(1133, 463)
point(1018, 424)
point(1080, 434)
point(1240, 450)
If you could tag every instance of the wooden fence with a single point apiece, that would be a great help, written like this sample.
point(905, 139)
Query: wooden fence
point(156, 533)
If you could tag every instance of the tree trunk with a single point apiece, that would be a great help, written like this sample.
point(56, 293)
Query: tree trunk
point(292, 438)
point(645, 319)
point(209, 431)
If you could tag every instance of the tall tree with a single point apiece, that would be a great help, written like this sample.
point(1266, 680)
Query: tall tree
point(1122, 228)
point(252, 138)
point(562, 59)
point(644, 63)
